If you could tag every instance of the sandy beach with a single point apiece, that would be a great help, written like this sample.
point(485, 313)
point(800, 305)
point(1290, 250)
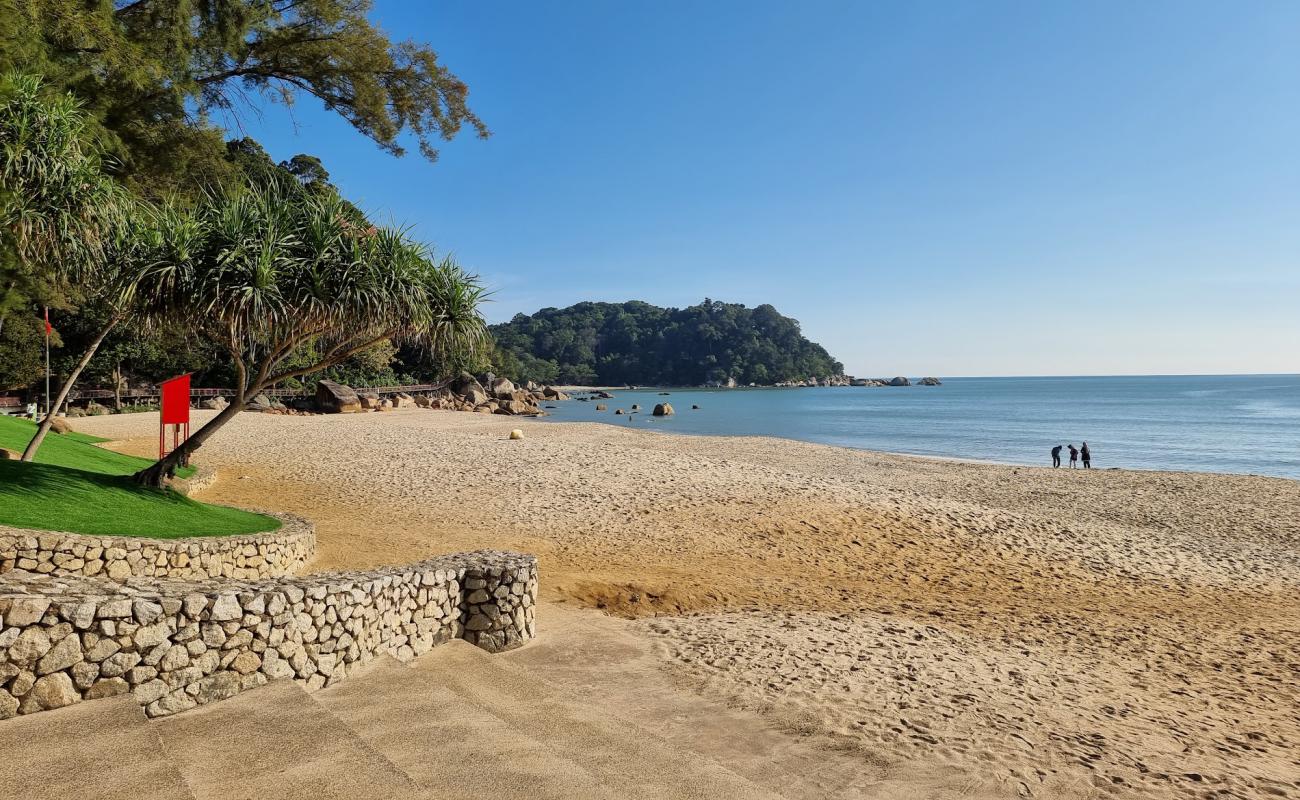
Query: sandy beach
point(957, 629)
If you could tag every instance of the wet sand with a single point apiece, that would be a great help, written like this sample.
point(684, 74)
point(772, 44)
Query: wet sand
point(1041, 632)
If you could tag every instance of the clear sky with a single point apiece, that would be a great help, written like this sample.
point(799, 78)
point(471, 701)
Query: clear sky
point(946, 188)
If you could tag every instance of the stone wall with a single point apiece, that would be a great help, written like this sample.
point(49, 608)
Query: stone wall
point(118, 558)
point(176, 645)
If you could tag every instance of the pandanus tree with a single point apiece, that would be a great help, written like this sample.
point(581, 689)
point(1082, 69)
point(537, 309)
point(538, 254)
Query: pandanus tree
point(148, 237)
point(58, 209)
point(290, 283)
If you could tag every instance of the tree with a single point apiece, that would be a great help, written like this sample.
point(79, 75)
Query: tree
point(275, 274)
point(149, 235)
point(156, 73)
point(57, 208)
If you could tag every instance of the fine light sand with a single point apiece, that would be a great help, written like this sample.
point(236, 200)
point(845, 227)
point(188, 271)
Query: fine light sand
point(1030, 631)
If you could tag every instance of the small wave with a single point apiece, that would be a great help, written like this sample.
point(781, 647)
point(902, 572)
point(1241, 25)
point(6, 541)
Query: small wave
point(1272, 410)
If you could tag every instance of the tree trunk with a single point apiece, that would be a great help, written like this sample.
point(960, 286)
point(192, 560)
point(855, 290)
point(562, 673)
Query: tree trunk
point(66, 389)
point(155, 475)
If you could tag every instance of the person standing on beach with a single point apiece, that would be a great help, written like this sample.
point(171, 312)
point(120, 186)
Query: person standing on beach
point(1074, 456)
point(1056, 456)
point(1086, 455)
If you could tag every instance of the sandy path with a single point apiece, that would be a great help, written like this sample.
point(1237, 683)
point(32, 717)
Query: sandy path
point(1046, 631)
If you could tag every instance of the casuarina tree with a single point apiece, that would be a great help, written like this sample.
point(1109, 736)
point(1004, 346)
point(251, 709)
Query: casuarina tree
point(290, 283)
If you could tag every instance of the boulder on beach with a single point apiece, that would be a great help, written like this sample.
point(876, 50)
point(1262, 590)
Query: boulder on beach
point(335, 398)
point(369, 400)
point(259, 403)
point(663, 410)
point(503, 388)
point(900, 381)
point(423, 400)
point(516, 434)
point(217, 403)
point(60, 425)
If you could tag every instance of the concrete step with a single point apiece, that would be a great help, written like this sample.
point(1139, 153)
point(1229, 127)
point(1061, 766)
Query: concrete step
point(447, 746)
point(276, 742)
point(627, 761)
point(104, 749)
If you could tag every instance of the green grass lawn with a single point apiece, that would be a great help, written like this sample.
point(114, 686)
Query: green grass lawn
point(76, 486)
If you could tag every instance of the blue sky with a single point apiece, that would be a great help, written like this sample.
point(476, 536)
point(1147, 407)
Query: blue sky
point(949, 188)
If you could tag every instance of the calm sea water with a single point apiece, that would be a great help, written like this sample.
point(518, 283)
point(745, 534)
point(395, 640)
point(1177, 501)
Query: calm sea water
point(1228, 423)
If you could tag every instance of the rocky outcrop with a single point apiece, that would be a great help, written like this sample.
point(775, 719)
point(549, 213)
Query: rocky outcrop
point(900, 381)
point(335, 398)
point(217, 403)
point(663, 410)
point(176, 645)
point(930, 382)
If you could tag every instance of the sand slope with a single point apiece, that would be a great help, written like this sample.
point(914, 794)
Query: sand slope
point(1039, 631)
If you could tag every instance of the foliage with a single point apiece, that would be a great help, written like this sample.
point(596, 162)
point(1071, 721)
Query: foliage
point(156, 73)
point(637, 343)
point(75, 486)
point(22, 351)
point(289, 285)
point(57, 208)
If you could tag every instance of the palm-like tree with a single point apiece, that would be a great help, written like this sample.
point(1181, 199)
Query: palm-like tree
point(290, 283)
point(57, 207)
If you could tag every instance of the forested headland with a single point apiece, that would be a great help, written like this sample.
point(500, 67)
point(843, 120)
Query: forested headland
point(639, 343)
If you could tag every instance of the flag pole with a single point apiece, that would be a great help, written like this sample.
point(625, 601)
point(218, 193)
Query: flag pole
point(47, 361)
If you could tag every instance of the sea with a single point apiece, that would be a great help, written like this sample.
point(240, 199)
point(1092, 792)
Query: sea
point(1248, 424)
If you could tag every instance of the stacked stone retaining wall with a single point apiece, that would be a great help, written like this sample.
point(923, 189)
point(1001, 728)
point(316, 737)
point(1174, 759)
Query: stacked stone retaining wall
point(119, 558)
point(176, 645)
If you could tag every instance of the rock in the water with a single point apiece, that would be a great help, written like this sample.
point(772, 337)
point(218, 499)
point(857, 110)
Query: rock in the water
point(695, 408)
point(335, 398)
point(900, 381)
point(516, 434)
point(618, 411)
point(663, 410)
point(602, 407)
point(930, 382)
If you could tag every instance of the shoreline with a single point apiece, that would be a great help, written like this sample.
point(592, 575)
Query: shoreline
point(941, 458)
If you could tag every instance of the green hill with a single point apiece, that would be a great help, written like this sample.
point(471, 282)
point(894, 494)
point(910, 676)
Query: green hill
point(638, 343)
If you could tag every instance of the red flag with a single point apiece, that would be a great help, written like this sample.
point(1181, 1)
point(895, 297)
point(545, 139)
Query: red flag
point(48, 329)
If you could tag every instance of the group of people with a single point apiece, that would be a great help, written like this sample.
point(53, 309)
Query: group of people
point(1075, 454)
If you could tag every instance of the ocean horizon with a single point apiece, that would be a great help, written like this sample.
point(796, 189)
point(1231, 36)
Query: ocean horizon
point(1237, 424)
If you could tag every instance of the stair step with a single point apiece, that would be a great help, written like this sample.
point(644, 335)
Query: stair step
point(626, 759)
point(99, 749)
point(276, 741)
point(448, 747)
